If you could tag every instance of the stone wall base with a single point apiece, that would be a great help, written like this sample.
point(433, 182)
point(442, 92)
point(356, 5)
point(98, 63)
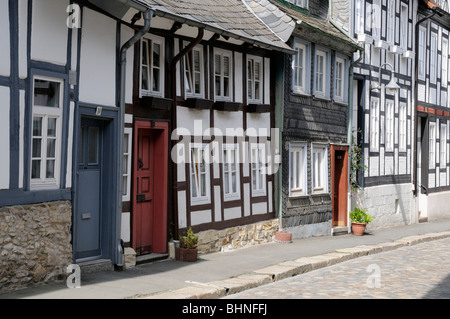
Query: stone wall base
point(237, 237)
point(35, 244)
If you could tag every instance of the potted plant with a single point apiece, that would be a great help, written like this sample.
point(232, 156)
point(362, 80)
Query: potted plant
point(282, 235)
point(360, 219)
point(188, 247)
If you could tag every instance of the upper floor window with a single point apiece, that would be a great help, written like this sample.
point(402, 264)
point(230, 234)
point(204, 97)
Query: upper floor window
point(444, 76)
point(258, 152)
point(322, 74)
point(422, 52)
point(404, 21)
point(340, 75)
point(300, 68)
point(374, 125)
point(222, 75)
point(193, 72)
point(152, 66)
point(432, 145)
point(359, 16)
point(376, 19)
point(199, 170)
point(390, 36)
point(300, 3)
point(443, 146)
point(231, 182)
point(389, 126)
point(254, 79)
point(402, 127)
point(46, 132)
point(433, 57)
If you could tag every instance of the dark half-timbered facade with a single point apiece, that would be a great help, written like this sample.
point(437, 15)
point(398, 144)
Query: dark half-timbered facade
point(313, 192)
point(432, 175)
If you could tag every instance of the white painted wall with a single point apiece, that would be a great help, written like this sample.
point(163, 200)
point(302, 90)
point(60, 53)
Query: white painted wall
point(4, 39)
point(5, 133)
point(98, 59)
point(49, 31)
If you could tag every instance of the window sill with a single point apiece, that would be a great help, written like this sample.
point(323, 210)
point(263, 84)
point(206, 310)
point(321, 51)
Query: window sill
point(258, 108)
point(321, 98)
point(155, 102)
point(199, 103)
point(227, 106)
point(258, 193)
point(200, 201)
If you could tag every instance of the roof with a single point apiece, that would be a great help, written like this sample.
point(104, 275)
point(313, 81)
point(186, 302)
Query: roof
point(230, 18)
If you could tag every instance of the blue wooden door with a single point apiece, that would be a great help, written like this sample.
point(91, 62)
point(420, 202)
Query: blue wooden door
point(88, 215)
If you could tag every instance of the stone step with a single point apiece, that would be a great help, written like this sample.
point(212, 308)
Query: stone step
point(340, 230)
point(97, 265)
point(142, 259)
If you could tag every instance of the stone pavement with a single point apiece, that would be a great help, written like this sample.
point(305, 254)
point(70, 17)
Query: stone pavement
point(217, 275)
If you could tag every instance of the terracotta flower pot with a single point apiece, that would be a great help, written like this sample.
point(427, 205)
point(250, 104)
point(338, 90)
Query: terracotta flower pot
point(283, 237)
point(186, 254)
point(358, 228)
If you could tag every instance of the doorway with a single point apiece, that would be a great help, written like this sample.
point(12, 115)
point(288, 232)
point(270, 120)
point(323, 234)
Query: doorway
point(339, 184)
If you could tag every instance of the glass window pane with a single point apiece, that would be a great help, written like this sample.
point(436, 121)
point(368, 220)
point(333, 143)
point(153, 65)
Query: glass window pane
point(156, 55)
point(93, 145)
point(46, 93)
point(51, 127)
point(37, 126)
point(156, 82)
point(36, 152)
point(80, 147)
point(50, 172)
point(36, 169)
point(51, 148)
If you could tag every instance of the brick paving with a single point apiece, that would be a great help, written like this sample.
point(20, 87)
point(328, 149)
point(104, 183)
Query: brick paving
point(418, 271)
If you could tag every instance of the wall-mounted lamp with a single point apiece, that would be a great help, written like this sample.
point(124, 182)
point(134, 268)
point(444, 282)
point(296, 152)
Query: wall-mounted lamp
point(392, 86)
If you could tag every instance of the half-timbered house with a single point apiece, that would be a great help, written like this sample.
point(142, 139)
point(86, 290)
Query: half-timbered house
point(432, 175)
point(313, 111)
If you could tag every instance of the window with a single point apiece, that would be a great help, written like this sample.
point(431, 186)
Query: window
point(300, 3)
point(222, 75)
point(432, 145)
point(193, 73)
point(339, 93)
point(297, 169)
point(374, 125)
point(404, 26)
point(433, 57)
point(321, 74)
point(126, 174)
point(376, 19)
point(359, 16)
point(300, 68)
point(254, 79)
point(152, 66)
point(46, 132)
point(402, 128)
point(319, 168)
point(444, 62)
point(389, 126)
point(390, 36)
point(443, 146)
point(231, 185)
point(422, 52)
point(258, 169)
point(199, 170)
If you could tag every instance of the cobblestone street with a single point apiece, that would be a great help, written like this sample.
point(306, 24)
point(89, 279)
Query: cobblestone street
point(419, 271)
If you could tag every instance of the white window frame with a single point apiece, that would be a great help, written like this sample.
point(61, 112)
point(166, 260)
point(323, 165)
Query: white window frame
point(432, 145)
point(152, 39)
point(389, 124)
point(374, 124)
point(444, 74)
point(433, 58)
point(443, 146)
point(222, 76)
point(302, 70)
point(321, 75)
point(319, 170)
point(258, 169)
point(190, 75)
point(422, 52)
point(302, 3)
point(201, 150)
point(298, 182)
point(255, 79)
point(390, 29)
point(127, 152)
point(359, 16)
point(226, 151)
point(402, 118)
point(404, 26)
point(46, 112)
point(376, 19)
point(343, 80)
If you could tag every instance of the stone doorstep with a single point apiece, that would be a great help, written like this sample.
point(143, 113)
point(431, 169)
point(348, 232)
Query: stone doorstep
point(97, 265)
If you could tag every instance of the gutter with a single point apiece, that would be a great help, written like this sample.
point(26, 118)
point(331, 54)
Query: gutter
point(416, 84)
point(173, 70)
point(148, 13)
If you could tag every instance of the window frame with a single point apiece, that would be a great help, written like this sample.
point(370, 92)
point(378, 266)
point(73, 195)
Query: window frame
point(443, 146)
point(302, 180)
point(432, 145)
point(404, 27)
point(325, 54)
point(306, 73)
point(422, 52)
point(259, 167)
point(237, 194)
point(343, 97)
point(222, 96)
point(359, 27)
point(188, 74)
point(402, 119)
point(199, 199)
point(390, 28)
point(389, 125)
point(444, 59)
point(433, 57)
point(45, 113)
point(322, 148)
point(128, 134)
point(374, 137)
point(153, 39)
point(251, 82)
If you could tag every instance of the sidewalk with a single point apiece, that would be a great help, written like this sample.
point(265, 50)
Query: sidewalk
point(219, 274)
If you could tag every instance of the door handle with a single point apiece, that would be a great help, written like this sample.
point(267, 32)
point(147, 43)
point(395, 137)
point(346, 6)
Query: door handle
point(140, 162)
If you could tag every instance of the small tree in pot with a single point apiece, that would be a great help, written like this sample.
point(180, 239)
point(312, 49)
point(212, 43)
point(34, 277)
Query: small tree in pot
point(188, 247)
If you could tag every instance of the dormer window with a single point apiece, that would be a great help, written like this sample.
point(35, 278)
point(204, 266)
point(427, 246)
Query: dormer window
point(300, 3)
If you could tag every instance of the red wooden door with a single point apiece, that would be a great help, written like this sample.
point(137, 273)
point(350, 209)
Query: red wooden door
point(143, 192)
point(339, 184)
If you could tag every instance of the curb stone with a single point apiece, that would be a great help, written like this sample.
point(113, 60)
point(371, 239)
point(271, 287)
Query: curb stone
point(259, 277)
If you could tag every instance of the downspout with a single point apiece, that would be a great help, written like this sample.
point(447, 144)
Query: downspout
point(173, 70)
point(123, 64)
point(416, 78)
